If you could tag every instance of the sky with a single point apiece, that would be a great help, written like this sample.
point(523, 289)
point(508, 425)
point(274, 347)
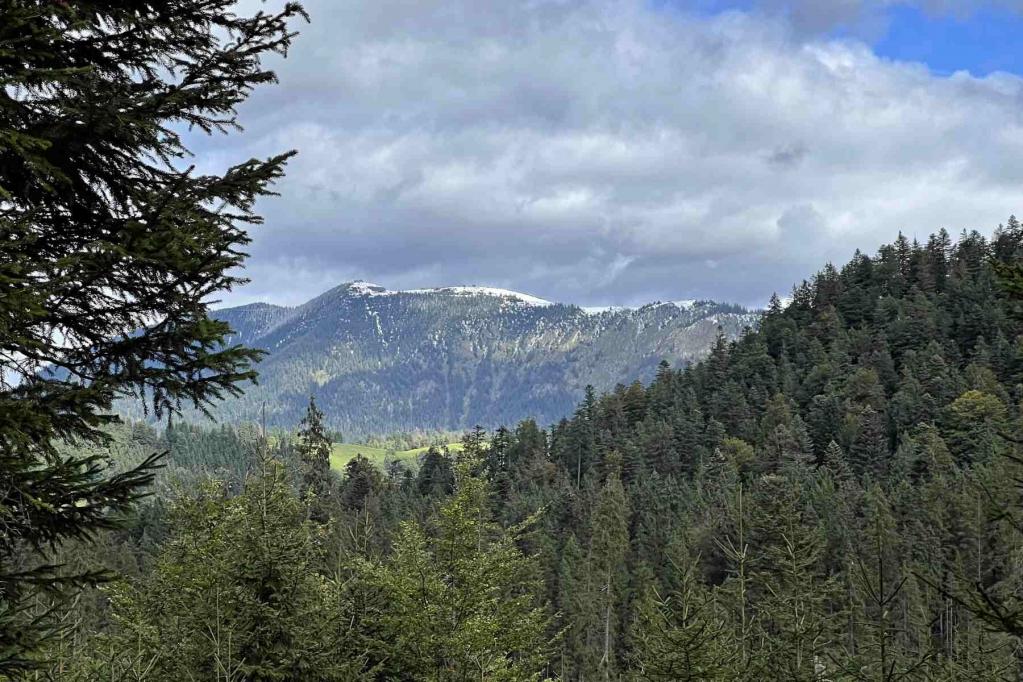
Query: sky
point(625, 151)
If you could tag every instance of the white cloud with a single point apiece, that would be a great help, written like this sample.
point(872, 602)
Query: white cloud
point(608, 152)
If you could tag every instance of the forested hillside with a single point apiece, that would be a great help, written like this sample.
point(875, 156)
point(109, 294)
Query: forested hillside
point(383, 361)
point(831, 497)
point(830, 490)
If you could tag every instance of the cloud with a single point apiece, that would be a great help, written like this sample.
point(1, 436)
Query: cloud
point(867, 17)
point(607, 151)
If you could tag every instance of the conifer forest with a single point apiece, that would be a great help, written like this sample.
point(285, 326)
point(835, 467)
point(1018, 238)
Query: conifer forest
point(832, 493)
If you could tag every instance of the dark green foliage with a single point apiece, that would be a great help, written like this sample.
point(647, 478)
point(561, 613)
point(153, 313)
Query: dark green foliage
point(436, 474)
point(362, 479)
point(457, 600)
point(609, 542)
point(223, 452)
point(313, 449)
point(681, 636)
point(875, 389)
point(111, 248)
point(831, 497)
point(235, 594)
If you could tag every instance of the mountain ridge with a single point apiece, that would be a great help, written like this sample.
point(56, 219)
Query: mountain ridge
point(382, 361)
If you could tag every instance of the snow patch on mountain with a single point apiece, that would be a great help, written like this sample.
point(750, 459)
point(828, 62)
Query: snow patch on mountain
point(362, 288)
point(369, 289)
point(384, 361)
point(687, 304)
point(486, 291)
point(601, 309)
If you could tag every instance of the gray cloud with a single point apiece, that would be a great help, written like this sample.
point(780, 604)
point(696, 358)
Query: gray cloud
point(606, 152)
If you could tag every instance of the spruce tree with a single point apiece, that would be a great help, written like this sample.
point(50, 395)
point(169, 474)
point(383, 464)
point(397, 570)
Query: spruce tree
point(868, 451)
point(436, 476)
point(681, 634)
point(361, 479)
point(457, 600)
point(794, 592)
point(111, 249)
point(887, 646)
point(735, 591)
point(313, 449)
point(609, 542)
point(576, 593)
point(235, 595)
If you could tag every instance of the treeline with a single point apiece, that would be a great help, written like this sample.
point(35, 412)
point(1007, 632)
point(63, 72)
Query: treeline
point(831, 497)
point(193, 451)
point(411, 440)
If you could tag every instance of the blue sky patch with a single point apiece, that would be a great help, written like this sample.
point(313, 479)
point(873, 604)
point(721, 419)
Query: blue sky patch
point(984, 42)
point(981, 40)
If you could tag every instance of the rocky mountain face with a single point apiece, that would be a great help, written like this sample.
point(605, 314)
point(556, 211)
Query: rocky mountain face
point(382, 361)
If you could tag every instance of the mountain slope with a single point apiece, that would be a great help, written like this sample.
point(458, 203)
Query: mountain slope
point(383, 361)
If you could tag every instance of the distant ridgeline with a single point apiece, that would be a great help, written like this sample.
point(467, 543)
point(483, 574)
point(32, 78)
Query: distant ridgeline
point(382, 361)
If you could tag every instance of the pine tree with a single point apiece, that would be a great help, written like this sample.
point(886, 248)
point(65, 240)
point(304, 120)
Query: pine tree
point(609, 542)
point(313, 448)
point(457, 600)
point(681, 634)
point(235, 595)
point(111, 249)
point(795, 593)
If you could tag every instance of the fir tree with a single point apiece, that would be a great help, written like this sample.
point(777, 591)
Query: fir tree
point(681, 634)
point(795, 593)
point(457, 600)
point(313, 449)
point(111, 248)
point(868, 451)
point(608, 546)
point(576, 594)
point(235, 595)
point(436, 475)
point(361, 480)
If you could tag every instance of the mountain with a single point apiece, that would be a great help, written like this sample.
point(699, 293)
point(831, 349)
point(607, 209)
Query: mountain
point(381, 361)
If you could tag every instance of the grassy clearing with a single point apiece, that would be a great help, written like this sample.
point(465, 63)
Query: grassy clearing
point(342, 453)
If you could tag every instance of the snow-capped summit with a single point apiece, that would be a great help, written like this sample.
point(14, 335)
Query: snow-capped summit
point(363, 288)
point(484, 291)
point(383, 361)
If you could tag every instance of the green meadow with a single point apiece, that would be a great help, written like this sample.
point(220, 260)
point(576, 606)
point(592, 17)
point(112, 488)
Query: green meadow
point(342, 453)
